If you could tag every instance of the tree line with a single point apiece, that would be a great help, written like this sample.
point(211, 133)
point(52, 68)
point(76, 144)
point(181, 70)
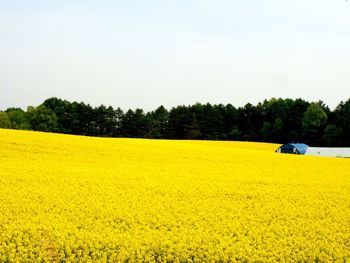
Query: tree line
point(274, 120)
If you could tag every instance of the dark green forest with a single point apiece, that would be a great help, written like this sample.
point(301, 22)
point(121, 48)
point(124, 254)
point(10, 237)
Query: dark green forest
point(273, 120)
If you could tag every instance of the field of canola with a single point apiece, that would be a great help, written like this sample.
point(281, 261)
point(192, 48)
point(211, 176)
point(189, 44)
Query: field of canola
point(79, 199)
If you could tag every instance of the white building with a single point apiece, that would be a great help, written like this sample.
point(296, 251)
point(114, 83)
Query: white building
point(328, 151)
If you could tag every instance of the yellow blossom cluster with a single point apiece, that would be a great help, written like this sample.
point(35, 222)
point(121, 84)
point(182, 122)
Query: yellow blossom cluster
point(80, 199)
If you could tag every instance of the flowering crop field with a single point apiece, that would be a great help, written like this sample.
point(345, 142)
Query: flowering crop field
point(81, 199)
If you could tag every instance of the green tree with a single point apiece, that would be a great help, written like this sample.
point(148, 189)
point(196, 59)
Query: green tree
point(230, 119)
point(290, 112)
point(4, 120)
point(342, 120)
point(314, 120)
point(193, 131)
point(119, 114)
point(66, 112)
point(332, 135)
point(277, 129)
point(134, 124)
point(41, 119)
point(158, 121)
point(266, 130)
point(106, 121)
point(18, 118)
point(235, 134)
point(179, 118)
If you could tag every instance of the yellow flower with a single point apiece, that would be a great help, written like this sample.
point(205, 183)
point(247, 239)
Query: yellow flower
point(74, 198)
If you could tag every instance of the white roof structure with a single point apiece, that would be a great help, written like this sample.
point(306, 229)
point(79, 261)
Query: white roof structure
point(327, 151)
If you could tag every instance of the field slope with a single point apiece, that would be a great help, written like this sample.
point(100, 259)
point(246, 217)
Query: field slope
point(72, 198)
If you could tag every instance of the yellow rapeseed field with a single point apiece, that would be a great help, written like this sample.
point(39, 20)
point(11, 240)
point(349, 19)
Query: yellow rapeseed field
point(81, 199)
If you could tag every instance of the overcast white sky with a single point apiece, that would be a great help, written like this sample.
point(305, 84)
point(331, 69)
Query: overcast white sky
point(144, 54)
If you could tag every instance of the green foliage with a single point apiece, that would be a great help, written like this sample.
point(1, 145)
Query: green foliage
point(134, 124)
point(105, 121)
point(193, 130)
point(277, 127)
point(4, 120)
point(18, 119)
point(274, 120)
point(158, 121)
point(333, 135)
point(235, 134)
point(342, 120)
point(314, 121)
point(266, 130)
point(314, 117)
point(41, 119)
point(66, 112)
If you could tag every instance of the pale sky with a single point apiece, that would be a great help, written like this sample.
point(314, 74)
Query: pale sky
point(144, 54)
